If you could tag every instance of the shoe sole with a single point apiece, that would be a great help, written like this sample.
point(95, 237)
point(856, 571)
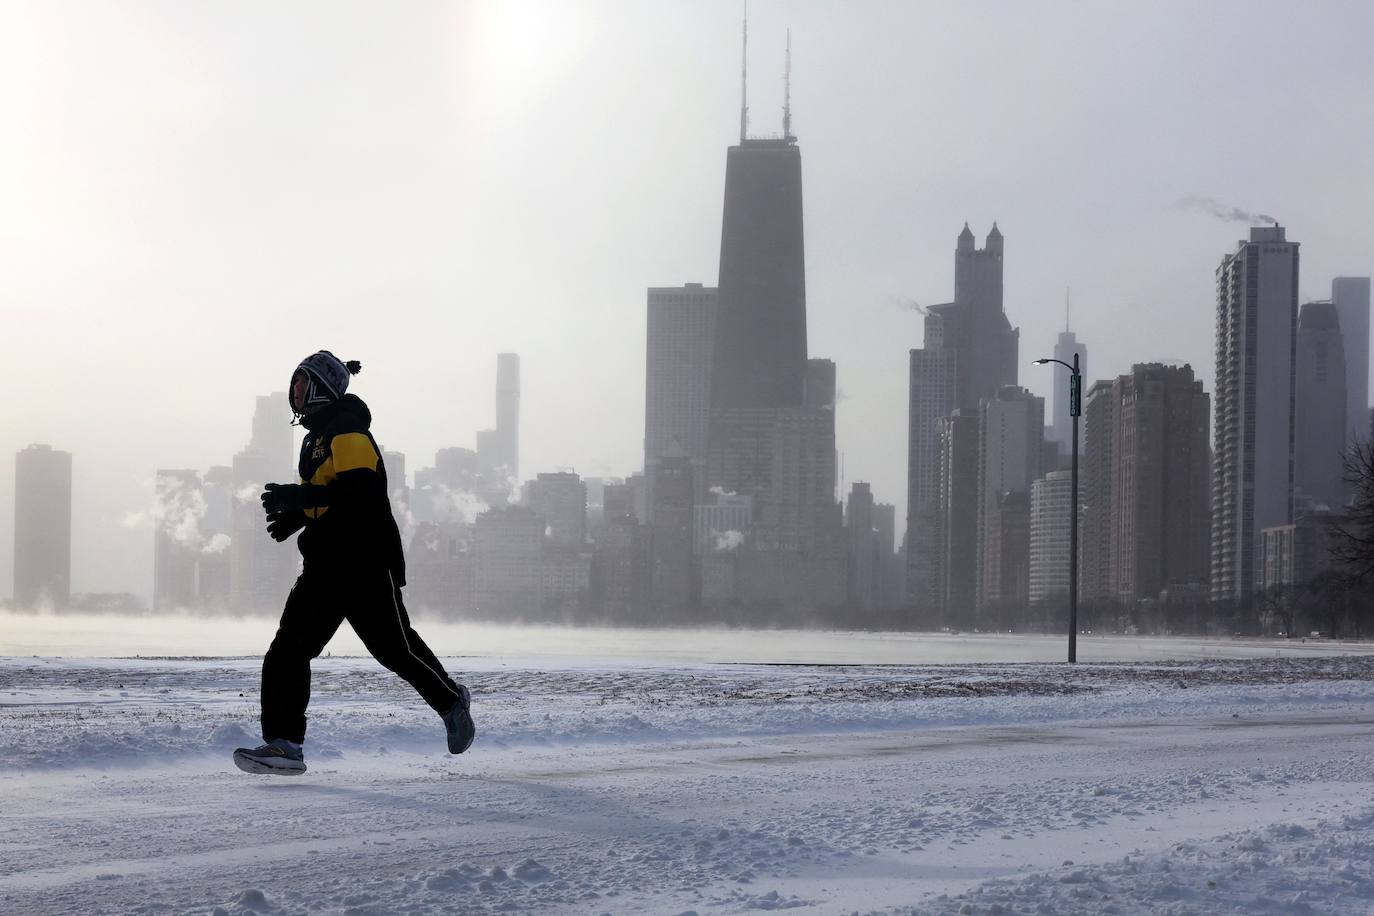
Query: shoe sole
point(255, 765)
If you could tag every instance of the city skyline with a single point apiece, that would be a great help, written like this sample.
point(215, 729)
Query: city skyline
point(199, 337)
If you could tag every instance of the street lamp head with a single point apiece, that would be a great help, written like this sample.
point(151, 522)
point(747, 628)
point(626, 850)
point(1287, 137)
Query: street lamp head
point(1039, 362)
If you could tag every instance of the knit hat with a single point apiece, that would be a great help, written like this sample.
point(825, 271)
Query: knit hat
point(326, 379)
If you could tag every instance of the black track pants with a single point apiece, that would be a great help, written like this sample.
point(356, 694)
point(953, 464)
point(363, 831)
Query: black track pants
point(318, 603)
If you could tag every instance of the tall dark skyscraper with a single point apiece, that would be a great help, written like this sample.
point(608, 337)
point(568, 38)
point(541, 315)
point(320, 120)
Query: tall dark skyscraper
point(760, 357)
point(771, 426)
point(760, 331)
point(759, 363)
point(969, 354)
point(986, 339)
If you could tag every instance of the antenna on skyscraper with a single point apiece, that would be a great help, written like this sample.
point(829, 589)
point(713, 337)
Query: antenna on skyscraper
point(787, 92)
point(1066, 310)
point(744, 79)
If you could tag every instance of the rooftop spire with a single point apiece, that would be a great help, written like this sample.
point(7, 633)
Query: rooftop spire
point(744, 80)
point(787, 92)
point(965, 242)
point(1066, 310)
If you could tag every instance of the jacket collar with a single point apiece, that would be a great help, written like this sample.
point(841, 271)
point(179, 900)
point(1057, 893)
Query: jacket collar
point(350, 406)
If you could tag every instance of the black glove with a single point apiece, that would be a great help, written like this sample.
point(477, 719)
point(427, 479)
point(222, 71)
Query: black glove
point(281, 525)
point(283, 497)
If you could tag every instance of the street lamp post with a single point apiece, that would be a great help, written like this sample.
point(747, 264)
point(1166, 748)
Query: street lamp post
point(1075, 410)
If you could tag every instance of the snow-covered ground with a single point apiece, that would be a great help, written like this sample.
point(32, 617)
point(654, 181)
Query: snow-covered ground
point(622, 786)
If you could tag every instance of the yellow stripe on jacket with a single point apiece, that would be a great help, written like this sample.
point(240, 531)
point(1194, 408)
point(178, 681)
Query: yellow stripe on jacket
point(347, 452)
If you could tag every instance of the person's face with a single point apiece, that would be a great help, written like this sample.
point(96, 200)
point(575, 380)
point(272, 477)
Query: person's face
point(299, 385)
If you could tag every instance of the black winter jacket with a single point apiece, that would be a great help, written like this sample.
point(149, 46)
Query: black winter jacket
point(355, 529)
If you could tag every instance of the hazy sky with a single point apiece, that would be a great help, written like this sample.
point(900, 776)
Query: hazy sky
point(193, 196)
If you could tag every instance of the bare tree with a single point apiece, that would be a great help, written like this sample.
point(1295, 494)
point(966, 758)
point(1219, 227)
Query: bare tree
point(1352, 537)
point(1277, 608)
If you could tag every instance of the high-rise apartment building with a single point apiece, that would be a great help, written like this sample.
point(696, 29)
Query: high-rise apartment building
point(1321, 414)
point(617, 501)
point(1005, 575)
point(1351, 297)
point(42, 527)
point(1159, 521)
point(1252, 474)
point(560, 499)
point(673, 581)
point(930, 384)
point(507, 549)
point(1097, 491)
point(1051, 514)
point(1294, 554)
point(957, 532)
point(677, 397)
point(865, 567)
point(1011, 432)
point(619, 565)
point(520, 573)
point(889, 561)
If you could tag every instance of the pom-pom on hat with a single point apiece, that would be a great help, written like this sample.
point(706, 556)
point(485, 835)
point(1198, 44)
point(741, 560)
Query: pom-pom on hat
point(327, 377)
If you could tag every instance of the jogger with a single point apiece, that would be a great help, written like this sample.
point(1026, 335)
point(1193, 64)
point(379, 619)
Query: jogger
point(353, 569)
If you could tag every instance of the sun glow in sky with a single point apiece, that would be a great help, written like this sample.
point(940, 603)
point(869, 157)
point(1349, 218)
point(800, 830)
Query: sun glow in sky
point(511, 55)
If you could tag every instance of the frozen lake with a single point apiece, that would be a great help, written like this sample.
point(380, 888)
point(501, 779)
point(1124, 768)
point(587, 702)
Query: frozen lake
point(90, 635)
